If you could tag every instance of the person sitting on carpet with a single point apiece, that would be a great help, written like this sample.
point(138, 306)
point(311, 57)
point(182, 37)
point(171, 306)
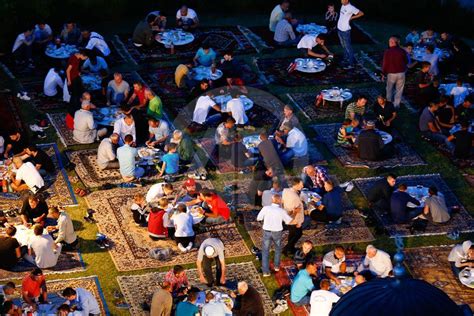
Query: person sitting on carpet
point(249, 299)
point(143, 34)
point(314, 178)
point(215, 208)
point(52, 82)
point(433, 59)
point(181, 76)
point(379, 195)
point(156, 225)
point(15, 144)
point(304, 255)
point(463, 140)
point(159, 190)
point(33, 288)
point(189, 193)
point(370, 144)
point(33, 211)
point(334, 263)
point(127, 156)
point(303, 285)
point(70, 34)
point(288, 116)
point(322, 300)
point(411, 63)
point(96, 43)
point(436, 210)
point(385, 113)
point(125, 126)
point(139, 210)
point(224, 138)
point(315, 47)
point(377, 261)
point(95, 64)
point(445, 115)
point(159, 132)
point(399, 211)
point(43, 163)
point(188, 307)
point(155, 105)
point(465, 111)
point(183, 223)
point(26, 177)
point(201, 88)
point(345, 135)
point(10, 250)
point(429, 126)
point(232, 74)
point(107, 153)
point(170, 160)
point(23, 47)
point(205, 56)
point(159, 25)
point(277, 14)
point(162, 301)
point(85, 129)
point(117, 90)
point(412, 37)
point(235, 107)
point(240, 157)
point(213, 306)
point(178, 280)
point(211, 249)
point(330, 210)
point(187, 18)
point(138, 96)
point(356, 110)
point(296, 144)
point(284, 33)
point(201, 111)
point(269, 153)
point(185, 148)
point(428, 37)
point(331, 17)
point(459, 93)
point(84, 301)
point(43, 35)
point(64, 229)
point(461, 256)
point(42, 250)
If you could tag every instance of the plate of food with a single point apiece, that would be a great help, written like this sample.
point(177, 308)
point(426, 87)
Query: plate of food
point(196, 211)
point(146, 153)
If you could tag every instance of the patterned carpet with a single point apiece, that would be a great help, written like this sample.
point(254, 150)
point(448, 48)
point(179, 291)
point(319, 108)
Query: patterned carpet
point(59, 190)
point(352, 229)
point(275, 71)
point(460, 221)
point(131, 244)
point(58, 120)
point(219, 38)
point(332, 110)
point(140, 288)
point(403, 154)
point(10, 113)
point(431, 264)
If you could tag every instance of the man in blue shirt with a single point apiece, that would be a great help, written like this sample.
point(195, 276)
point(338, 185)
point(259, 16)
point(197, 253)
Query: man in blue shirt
point(126, 156)
point(303, 285)
point(330, 209)
point(170, 161)
point(399, 210)
point(205, 56)
point(85, 302)
point(188, 308)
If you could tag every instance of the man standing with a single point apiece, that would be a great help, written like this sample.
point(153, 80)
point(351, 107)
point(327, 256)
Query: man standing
point(250, 301)
point(277, 14)
point(211, 249)
point(85, 302)
point(394, 66)
point(294, 206)
point(272, 217)
point(348, 13)
point(224, 138)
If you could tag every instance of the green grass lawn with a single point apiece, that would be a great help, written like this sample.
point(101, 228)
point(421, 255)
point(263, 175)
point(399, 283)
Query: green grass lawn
point(99, 262)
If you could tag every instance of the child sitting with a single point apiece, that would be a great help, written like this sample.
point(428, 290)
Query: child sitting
point(304, 255)
point(345, 137)
point(139, 210)
point(156, 228)
point(167, 218)
point(170, 160)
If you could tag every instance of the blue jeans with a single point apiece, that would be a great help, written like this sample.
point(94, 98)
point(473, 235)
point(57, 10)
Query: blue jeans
point(287, 43)
point(439, 138)
point(268, 237)
point(303, 301)
point(345, 39)
point(286, 156)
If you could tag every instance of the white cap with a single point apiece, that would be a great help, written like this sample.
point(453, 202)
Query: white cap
point(370, 247)
point(209, 251)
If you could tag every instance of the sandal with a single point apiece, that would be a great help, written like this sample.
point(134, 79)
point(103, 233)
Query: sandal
point(82, 193)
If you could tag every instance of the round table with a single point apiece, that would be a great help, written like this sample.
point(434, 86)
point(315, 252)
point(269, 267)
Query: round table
point(466, 277)
point(336, 95)
point(148, 156)
point(419, 53)
point(92, 82)
point(457, 128)
point(420, 193)
point(251, 143)
point(202, 72)
point(448, 87)
point(386, 137)
point(347, 283)
point(107, 116)
point(63, 52)
point(219, 297)
point(311, 28)
point(176, 37)
point(310, 65)
point(224, 98)
point(197, 217)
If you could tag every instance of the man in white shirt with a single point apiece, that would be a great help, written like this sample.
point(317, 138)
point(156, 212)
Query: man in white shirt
point(96, 42)
point(159, 132)
point(52, 81)
point(277, 14)
point(23, 47)
point(296, 144)
point(203, 105)
point(459, 93)
point(348, 13)
point(64, 227)
point(107, 153)
point(42, 250)
point(125, 126)
point(272, 216)
point(85, 129)
point(433, 59)
point(187, 18)
point(377, 261)
point(27, 173)
point(461, 256)
point(84, 300)
point(236, 108)
point(321, 301)
point(159, 190)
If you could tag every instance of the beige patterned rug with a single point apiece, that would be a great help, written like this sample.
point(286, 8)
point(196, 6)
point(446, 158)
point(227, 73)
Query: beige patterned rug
point(131, 244)
point(139, 288)
point(58, 120)
point(431, 264)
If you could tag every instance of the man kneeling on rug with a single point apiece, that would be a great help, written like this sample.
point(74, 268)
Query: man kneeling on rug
point(82, 300)
point(25, 177)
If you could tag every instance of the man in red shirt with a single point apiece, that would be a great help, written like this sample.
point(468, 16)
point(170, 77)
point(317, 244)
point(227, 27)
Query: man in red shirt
point(33, 288)
point(216, 209)
point(394, 66)
point(139, 95)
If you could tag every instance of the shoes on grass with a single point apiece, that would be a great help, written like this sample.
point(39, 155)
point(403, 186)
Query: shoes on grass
point(281, 307)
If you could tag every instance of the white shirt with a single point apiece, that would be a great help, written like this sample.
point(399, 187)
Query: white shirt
point(66, 231)
point(43, 247)
point(459, 94)
point(307, 41)
point(275, 17)
point(236, 107)
point(330, 261)
point(105, 153)
point(380, 264)
point(121, 128)
point(272, 217)
point(459, 253)
point(183, 223)
point(84, 127)
point(52, 81)
point(267, 196)
point(214, 308)
point(297, 141)
point(28, 173)
point(161, 131)
point(321, 302)
point(203, 105)
point(46, 31)
point(155, 192)
point(190, 15)
point(21, 39)
point(347, 11)
point(96, 40)
point(87, 302)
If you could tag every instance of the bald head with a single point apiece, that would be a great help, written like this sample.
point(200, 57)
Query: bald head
point(242, 287)
point(371, 251)
point(276, 199)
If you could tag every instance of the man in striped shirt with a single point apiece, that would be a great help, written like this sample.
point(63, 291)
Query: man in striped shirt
point(356, 110)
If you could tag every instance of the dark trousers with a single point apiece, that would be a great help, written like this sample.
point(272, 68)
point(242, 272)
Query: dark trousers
point(23, 53)
point(322, 216)
point(184, 240)
point(294, 234)
point(207, 268)
point(70, 247)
